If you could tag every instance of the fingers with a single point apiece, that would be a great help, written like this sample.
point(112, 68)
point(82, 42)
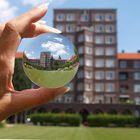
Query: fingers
point(39, 96)
point(22, 22)
point(10, 39)
point(38, 28)
point(19, 101)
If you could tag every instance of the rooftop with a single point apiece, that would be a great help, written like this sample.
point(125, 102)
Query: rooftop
point(129, 56)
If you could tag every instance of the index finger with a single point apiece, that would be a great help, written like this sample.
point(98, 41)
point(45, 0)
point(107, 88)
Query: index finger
point(23, 21)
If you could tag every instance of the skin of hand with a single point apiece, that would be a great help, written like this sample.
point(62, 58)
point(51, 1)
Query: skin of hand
point(27, 25)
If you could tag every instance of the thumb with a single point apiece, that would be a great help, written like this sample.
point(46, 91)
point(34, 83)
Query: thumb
point(34, 97)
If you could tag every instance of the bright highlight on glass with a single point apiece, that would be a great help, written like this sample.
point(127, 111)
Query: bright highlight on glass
point(50, 60)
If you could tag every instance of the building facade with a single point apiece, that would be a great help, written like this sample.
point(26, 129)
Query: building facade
point(129, 78)
point(94, 33)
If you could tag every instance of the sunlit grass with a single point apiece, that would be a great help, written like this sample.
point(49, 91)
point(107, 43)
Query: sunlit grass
point(69, 133)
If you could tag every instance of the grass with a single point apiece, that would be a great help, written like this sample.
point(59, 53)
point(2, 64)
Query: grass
point(69, 133)
point(50, 78)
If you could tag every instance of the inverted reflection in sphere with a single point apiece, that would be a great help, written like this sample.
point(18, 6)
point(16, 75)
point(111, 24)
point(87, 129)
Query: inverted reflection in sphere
point(50, 60)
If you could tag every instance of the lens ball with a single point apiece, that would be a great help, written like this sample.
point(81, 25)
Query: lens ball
point(50, 60)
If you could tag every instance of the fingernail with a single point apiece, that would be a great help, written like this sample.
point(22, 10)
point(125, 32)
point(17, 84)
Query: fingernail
point(43, 5)
point(42, 21)
point(54, 30)
point(68, 89)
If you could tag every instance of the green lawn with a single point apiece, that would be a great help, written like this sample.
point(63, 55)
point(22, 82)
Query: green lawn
point(50, 78)
point(69, 133)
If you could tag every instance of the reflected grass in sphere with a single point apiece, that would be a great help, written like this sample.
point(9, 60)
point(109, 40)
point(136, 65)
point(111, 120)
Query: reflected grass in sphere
point(50, 60)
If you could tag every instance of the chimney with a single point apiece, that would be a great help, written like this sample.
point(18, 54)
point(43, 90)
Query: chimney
point(123, 51)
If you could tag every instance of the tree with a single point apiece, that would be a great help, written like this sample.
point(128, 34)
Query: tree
point(20, 80)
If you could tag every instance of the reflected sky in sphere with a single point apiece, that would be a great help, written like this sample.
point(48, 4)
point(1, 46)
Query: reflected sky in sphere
point(50, 60)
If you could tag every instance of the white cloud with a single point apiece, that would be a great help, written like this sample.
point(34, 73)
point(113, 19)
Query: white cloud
point(7, 11)
point(55, 48)
point(37, 2)
point(58, 39)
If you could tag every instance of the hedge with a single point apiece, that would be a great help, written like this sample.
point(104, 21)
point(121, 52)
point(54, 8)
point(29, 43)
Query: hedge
point(56, 119)
point(106, 120)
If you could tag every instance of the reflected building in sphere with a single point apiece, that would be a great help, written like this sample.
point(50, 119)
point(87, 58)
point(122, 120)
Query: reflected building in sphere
point(45, 58)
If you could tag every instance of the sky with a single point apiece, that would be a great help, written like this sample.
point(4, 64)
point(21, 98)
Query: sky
point(128, 16)
point(56, 44)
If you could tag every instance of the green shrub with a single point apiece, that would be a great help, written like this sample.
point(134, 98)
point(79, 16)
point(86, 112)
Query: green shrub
point(56, 119)
point(1, 125)
point(106, 120)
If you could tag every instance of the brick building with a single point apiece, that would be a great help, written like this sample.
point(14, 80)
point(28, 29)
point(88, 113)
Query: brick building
point(94, 33)
point(105, 76)
point(129, 78)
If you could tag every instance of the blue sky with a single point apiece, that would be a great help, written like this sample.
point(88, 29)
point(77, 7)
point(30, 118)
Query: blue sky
point(128, 16)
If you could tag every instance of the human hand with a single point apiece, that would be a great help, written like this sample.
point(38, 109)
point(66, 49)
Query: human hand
point(11, 33)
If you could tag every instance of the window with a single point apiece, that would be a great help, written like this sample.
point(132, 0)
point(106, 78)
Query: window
point(99, 51)
point(88, 74)
point(137, 88)
point(110, 75)
point(123, 76)
point(110, 51)
point(80, 87)
point(137, 76)
point(89, 38)
point(99, 39)
point(68, 99)
point(99, 28)
point(81, 61)
point(124, 88)
point(99, 87)
point(70, 28)
point(110, 87)
point(99, 99)
point(110, 63)
point(99, 63)
point(59, 99)
point(99, 17)
point(89, 50)
point(136, 64)
point(123, 64)
point(109, 17)
point(99, 75)
point(81, 38)
point(80, 74)
point(80, 98)
point(84, 17)
point(80, 50)
point(88, 62)
point(60, 17)
point(109, 40)
point(70, 17)
point(109, 28)
point(88, 87)
point(60, 27)
point(137, 100)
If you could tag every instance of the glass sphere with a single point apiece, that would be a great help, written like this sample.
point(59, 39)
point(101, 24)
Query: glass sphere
point(50, 60)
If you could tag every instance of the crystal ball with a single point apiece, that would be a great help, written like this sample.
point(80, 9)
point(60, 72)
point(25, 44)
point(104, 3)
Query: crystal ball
point(50, 60)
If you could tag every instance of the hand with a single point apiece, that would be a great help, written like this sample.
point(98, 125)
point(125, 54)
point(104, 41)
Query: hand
point(11, 33)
